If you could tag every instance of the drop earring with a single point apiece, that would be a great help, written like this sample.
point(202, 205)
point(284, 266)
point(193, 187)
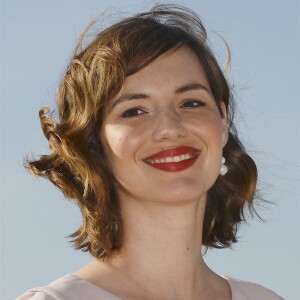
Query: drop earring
point(224, 168)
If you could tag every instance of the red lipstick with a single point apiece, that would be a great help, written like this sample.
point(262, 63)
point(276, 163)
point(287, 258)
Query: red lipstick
point(173, 160)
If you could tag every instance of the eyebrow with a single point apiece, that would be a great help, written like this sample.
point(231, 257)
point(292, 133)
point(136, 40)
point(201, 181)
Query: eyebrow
point(192, 86)
point(182, 89)
point(128, 97)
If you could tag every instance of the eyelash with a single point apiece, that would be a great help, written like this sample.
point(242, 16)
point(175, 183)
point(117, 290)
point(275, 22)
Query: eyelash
point(192, 102)
point(132, 112)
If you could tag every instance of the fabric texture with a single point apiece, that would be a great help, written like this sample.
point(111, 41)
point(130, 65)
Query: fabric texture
point(71, 287)
point(245, 290)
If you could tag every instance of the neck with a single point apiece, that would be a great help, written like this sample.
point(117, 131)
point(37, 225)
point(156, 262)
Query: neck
point(162, 246)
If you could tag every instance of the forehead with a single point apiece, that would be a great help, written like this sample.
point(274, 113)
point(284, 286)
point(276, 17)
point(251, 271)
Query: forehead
point(171, 69)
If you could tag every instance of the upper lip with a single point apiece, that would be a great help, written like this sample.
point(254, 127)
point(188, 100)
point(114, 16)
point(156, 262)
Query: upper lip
point(173, 152)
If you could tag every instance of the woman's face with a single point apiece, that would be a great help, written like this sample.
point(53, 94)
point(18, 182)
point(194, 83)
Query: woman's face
point(163, 134)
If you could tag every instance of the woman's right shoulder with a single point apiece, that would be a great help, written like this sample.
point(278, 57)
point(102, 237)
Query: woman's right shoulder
point(69, 287)
point(37, 294)
point(56, 290)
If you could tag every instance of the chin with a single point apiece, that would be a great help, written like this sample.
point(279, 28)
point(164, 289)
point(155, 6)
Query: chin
point(182, 194)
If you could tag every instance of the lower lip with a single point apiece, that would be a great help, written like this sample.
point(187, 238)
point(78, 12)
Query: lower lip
point(175, 166)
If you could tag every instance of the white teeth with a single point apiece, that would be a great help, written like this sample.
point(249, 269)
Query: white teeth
point(177, 158)
point(172, 159)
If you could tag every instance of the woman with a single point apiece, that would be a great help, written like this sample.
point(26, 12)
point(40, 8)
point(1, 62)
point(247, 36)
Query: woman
point(147, 148)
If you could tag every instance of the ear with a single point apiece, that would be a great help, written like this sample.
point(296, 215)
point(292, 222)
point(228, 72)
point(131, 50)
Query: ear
point(225, 125)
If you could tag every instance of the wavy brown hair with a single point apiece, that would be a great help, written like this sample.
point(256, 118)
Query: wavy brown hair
point(77, 164)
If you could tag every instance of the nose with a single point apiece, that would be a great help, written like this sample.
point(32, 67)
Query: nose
point(168, 126)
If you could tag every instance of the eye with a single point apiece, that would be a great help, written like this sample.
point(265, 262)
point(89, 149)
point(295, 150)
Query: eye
point(132, 112)
point(192, 103)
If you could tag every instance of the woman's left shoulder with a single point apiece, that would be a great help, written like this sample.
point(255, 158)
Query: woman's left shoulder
point(246, 290)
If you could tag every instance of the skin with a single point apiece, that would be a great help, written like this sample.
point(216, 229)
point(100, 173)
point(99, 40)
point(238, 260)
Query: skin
point(162, 211)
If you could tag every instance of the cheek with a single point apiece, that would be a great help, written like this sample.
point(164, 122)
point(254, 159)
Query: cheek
point(120, 141)
point(209, 128)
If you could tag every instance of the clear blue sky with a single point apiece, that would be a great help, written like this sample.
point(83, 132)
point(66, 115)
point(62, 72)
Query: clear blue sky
point(37, 38)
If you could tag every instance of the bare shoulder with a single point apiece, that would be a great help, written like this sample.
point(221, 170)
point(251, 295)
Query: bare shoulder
point(98, 273)
point(105, 276)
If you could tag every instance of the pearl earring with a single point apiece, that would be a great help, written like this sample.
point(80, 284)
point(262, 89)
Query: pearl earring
point(224, 168)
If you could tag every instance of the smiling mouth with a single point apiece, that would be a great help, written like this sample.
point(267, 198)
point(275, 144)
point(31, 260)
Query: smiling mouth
point(173, 160)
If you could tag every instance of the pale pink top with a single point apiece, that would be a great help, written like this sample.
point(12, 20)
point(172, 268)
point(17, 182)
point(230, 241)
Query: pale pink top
point(71, 287)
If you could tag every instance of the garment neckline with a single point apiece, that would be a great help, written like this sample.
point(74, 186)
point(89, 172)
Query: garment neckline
point(93, 284)
point(228, 280)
